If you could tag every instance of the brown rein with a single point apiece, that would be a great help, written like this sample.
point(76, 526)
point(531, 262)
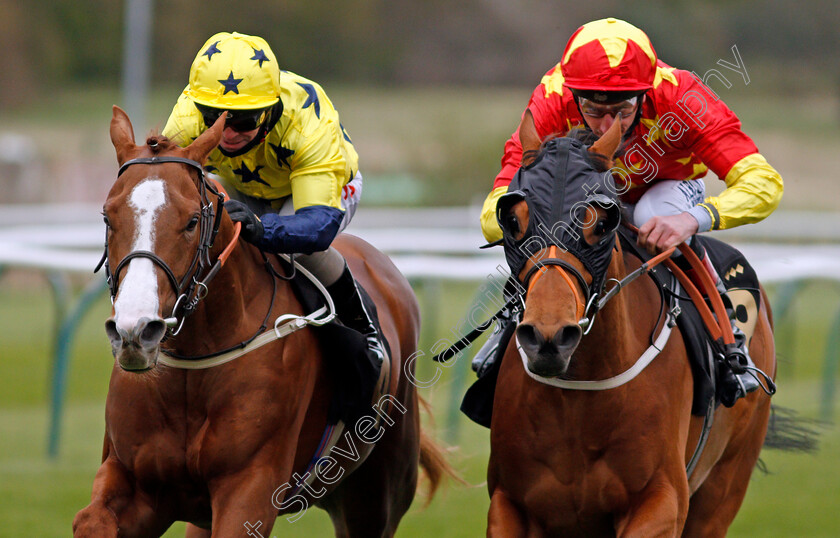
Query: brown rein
point(237, 229)
point(595, 303)
point(717, 328)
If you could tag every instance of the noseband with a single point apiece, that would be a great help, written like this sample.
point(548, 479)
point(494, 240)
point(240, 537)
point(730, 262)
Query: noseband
point(191, 288)
point(586, 306)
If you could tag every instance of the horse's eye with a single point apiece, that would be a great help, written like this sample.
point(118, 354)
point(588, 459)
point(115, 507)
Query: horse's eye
point(512, 223)
point(192, 223)
point(601, 227)
point(105, 220)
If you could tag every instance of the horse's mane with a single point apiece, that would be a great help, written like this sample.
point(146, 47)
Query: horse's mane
point(159, 143)
point(601, 163)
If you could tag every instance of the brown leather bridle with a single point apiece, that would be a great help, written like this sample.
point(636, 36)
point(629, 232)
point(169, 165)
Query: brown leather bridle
point(192, 287)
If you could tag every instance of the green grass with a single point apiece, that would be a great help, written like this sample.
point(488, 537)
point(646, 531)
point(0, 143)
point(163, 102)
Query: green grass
point(40, 497)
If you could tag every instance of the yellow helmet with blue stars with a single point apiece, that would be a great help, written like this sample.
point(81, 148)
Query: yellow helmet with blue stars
point(234, 71)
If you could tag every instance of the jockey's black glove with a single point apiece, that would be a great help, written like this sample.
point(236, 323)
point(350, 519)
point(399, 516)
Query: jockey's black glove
point(252, 228)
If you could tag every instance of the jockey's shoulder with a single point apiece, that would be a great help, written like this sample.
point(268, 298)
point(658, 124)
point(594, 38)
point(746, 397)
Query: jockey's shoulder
point(672, 82)
point(300, 88)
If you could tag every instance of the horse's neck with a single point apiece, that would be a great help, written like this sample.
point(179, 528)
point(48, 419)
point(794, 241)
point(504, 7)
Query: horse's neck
point(236, 304)
point(620, 330)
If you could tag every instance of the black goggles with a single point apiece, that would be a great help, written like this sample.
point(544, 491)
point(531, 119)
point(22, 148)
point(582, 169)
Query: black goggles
point(238, 120)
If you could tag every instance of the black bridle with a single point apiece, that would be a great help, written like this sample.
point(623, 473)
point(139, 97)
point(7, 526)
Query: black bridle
point(193, 285)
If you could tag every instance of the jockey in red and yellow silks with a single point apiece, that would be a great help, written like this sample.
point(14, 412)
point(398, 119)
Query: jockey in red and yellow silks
point(682, 131)
point(675, 130)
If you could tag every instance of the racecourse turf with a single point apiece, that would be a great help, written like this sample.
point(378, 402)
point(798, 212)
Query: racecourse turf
point(40, 496)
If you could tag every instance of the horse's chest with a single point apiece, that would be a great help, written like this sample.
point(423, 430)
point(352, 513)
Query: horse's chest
point(571, 484)
point(576, 497)
point(157, 461)
point(590, 478)
point(157, 448)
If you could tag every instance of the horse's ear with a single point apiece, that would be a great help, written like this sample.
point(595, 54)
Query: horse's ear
point(122, 133)
point(609, 141)
point(528, 137)
point(207, 141)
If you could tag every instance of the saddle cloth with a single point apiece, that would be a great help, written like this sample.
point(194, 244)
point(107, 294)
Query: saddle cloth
point(738, 277)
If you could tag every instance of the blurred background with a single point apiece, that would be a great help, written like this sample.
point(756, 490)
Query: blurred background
point(429, 91)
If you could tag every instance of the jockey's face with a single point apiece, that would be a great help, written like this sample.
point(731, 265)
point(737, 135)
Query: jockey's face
point(233, 140)
point(241, 126)
point(600, 117)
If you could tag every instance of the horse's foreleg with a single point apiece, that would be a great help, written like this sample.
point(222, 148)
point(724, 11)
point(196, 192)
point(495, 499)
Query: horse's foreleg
point(504, 519)
point(661, 511)
point(243, 503)
point(116, 508)
point(196, 532)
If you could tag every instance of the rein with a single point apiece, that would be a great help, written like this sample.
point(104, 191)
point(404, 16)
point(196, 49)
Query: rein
point(594, 301)
point(649, 354)
point(283, 326)
point(587, 322)
point(592, 304)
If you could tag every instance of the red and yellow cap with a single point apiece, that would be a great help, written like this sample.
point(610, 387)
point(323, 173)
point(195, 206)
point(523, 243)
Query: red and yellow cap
point(609, 55)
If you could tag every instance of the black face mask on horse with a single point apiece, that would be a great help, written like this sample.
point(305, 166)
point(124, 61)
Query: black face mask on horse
point(559, 187)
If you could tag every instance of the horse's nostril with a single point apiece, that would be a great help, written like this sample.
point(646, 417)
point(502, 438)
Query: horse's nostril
point(112, 332)
point(151, 332)
point(529, 336)
point(568, 337)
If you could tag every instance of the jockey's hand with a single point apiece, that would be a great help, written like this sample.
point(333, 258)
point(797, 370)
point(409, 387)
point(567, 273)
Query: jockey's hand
point(661, 233)
point(252, 228)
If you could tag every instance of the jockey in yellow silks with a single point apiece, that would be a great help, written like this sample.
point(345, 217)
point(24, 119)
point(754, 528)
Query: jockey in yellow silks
point(676, 130)
point(284, 158)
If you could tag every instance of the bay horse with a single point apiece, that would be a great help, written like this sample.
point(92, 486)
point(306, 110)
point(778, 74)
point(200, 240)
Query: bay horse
point(229, 447)
point(569, 461)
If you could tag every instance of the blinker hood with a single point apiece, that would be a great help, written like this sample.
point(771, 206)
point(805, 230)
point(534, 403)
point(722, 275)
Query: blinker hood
point(558, 187)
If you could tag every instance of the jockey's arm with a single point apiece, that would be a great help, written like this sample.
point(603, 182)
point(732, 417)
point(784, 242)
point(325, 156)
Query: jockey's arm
point(665, 231)
point(753, 191)
point(310, 229)
point(753, 187)
point(318, 169)
point(489, 225)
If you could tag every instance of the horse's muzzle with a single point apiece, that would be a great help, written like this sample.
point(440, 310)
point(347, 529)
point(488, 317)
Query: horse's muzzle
point(136, 349)
point(548, 357)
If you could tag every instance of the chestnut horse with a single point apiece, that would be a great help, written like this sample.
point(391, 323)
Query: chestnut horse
point(228, 448)
point(612, 461)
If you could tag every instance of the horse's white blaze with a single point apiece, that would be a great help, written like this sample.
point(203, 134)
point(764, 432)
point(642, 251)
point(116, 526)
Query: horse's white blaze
point(138, 293)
